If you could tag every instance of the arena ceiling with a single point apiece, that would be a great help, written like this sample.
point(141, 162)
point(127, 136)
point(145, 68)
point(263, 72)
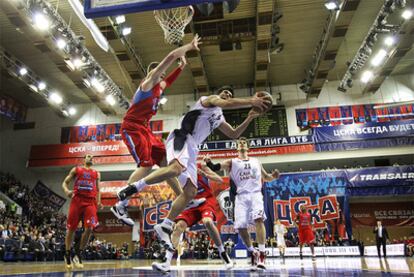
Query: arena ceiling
point(247, 29)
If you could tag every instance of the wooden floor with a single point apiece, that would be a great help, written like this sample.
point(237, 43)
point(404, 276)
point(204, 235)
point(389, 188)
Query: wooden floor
point(291, 267)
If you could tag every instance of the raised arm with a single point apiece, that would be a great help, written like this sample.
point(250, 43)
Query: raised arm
point(216, 101)
point(270, 177)
point(66, 182)
point(225, 165)
point(235, 133)
point(209, 174)
point(174, 74)
point(153, 77)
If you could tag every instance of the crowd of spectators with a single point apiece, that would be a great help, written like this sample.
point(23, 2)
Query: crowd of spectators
point(38, 233)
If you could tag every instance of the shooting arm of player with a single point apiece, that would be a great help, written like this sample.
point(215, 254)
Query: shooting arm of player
point(155, 74)
point(67, 181)
point(98, 181)
point(216, 101)
point(235, 133)
point(169, 80)
point(270, 177)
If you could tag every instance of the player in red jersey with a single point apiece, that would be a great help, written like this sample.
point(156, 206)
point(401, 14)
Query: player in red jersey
point(190, 216)
point(85, 200)
point(147, 149)
point(305, 230)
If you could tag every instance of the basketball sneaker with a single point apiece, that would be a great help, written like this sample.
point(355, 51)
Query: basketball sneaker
point(121, 213)
point(162, 267)
point(226, 259)
point(126, 192)
point(68, 264)
point(163, 234)
point(254, 256)
point(300, 255)
point(195, 203)
point(77, 261)
point(313, 258)
point(261, 261)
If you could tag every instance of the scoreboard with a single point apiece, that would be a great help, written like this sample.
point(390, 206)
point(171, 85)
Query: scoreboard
point(271, 124)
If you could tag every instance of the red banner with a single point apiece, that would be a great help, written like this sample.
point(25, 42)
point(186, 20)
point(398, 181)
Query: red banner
point(115, 152)
point(391, 214)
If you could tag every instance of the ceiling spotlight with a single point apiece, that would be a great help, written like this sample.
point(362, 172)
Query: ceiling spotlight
point(23, 71)
point(77, 63)
point(379, 57)
point(65, 113)
point(41, 21)
point(110, 100)
point(366, 76)
point(120, 19)
point(97, 85)
point(56, 98)
point(61, 43)
point(72, 110)
point(407, 14)
point(41, 85)
point(332, 4)
point(126, 31)
point(389, 41)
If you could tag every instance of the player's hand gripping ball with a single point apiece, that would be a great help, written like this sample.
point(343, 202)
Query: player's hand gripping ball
point(269, 101)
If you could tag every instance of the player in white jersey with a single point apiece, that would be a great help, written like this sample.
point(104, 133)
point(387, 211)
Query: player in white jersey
point(247, 174)
point(280, 230)
point(182, 148)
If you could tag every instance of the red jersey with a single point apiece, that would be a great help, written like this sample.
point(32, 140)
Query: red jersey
point(85, 182)
point(204, 189)
point(144, 106)
point(304, 221)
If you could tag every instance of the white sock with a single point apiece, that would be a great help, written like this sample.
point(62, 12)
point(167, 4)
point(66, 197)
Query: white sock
point(167, 223)
point(140, 185)
point(169, 255)
point(221, 249)
point(250, 249)
point(262, 248)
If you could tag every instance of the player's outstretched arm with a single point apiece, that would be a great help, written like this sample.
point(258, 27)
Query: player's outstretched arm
point(154, 76)
point(216, 101)
point(270, 177)
point(235, 133)
point(67, 181)
point(225, 165)
point(209, 174)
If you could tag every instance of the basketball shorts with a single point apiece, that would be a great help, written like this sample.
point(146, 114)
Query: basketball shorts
point(248, 207)
point(82, 208)
point(281, 241)
point(186, 156)
point(306, 236)
point(194, 215)
point(146, 149)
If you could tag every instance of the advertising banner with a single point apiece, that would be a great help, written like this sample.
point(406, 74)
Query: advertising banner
point(366, 131)
point(108, 223)
point(390, 213)
point(390, 176)
point(323, 193)
point(43, 192)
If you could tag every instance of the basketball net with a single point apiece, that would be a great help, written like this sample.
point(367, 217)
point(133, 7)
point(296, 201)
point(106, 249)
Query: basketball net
point(173, 22)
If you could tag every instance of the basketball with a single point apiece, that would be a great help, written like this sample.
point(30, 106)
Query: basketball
point(266, 96)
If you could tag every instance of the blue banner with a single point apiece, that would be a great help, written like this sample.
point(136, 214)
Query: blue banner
point(323, 193)
point(43, 192)
point(363, 132)
point(257, 143)
point(389, 176)
point(364, 144)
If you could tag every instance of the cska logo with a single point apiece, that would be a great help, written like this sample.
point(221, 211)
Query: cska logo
point(327, 208)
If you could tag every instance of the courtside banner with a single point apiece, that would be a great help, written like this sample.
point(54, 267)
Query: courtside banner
point(108, 223)
point(378, 130)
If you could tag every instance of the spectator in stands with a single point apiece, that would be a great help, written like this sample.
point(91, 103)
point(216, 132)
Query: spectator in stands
point(381, 237)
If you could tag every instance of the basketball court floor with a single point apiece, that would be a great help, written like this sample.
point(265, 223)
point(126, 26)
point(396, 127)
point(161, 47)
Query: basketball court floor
point(370, 266)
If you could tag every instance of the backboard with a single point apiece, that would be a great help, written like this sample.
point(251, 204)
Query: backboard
point(100, 8)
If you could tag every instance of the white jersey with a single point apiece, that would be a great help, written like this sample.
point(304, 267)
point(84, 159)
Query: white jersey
point(246, 175)
point(200, 121)
point(280, 230)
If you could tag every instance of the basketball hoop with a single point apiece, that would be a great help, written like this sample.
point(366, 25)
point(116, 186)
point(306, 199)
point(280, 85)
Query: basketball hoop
point(173, 22)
